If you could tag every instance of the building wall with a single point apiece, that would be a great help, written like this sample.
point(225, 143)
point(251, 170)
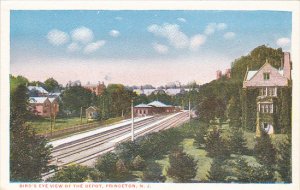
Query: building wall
point(276, 79)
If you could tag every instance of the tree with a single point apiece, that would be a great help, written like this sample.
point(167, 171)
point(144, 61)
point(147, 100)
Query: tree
point(210, 108)
point(75, 97)
point(246, 173)
point(238, 143)
point(215, 145)
point(122, 173)
point(264, 150)
point(127, 151)
point(29, 154)
point(16, 81)
point(217, 172)
point(106, 164)
point(138, 163)
point(234, 112)
point(284, 160)
point(182, 166)
point(51, 85)
point(76, 173)
point(200, 134)
point(153, 173)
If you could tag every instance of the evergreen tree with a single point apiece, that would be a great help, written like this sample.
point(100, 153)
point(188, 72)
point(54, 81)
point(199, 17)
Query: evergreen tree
point(106, 164)
point(29, 154)
point(76, 173)
point(265, 153)
point(234, 112)
point(182, 166)
point(217, 172)
point(246, 173)
point(238, 143)
point(122, 173)
point(284, 160)
point(264, 150)
point(215, 145)
point(153, 173)
point(200, 134)
point(138, 163)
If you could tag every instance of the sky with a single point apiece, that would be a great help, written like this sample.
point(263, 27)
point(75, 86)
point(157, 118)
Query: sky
point(139, 47)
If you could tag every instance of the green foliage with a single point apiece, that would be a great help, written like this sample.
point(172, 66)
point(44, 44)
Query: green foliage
point(51, 85)
point(106, 164)
point(255, 60)
point(216, 146)
point(249, 109)
point(284, 160)
point(234, 112)
point(265, 152)
point(127, 151)
point(183, 167)
point(246, 173)
point(200, 135)
point(122, 173)
point(285, 110)
point(138, 163)
point(238, 143)
point(210, 108)
point(16, 81)
point(153, 173)
point(29, 154)
point(75, 97)
point(76, 173)
point(217, 173)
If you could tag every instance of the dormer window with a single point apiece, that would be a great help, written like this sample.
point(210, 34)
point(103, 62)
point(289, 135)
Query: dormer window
point(266, 76)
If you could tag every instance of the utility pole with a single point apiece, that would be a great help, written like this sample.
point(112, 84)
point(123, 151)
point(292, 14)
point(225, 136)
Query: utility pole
point(132, 121)
point(189, 109)
point(51, 118)
point(80, 115)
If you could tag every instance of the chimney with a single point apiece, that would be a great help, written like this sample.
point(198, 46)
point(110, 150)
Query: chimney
point(287, 65)
point(219, 74)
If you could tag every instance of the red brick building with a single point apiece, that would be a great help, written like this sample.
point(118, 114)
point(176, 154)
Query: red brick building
point(43, 106)
point(97, 89)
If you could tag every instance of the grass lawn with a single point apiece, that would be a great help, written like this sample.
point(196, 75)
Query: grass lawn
point(44, 126)
point(200, 156)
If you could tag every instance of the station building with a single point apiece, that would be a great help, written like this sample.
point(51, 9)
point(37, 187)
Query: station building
point(155, 107)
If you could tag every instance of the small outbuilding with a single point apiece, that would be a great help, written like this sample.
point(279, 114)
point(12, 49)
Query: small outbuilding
point(92, 113)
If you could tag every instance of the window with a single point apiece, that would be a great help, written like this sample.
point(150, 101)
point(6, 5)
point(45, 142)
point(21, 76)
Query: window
point(266, 108)
point(266, 76)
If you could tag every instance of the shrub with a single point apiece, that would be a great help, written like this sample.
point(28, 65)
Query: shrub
point(153, 173)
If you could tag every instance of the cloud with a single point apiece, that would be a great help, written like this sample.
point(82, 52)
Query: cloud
point(57, 37)
point(73, 47)
point(83, 35)
point(229, 35)
point(94, 46)
point(283, 42)
point(196, 41)
point(114, 33)
point(161, 49)
point(181, 19)
point(212, 27)
point(172, 33)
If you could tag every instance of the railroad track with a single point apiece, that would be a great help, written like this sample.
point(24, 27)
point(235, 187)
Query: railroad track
point(94, 142)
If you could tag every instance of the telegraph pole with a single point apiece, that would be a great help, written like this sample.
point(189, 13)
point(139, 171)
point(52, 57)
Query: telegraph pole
point(189, 109)
point(80, 115)
point(132, 121)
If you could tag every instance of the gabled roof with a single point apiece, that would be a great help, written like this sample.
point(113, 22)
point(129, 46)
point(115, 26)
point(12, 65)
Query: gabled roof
point(142, 106)
point(255, 78)
point(37, 100)
point(157, 104)
point(37, 88)
point(52, 99)
point(92, 107)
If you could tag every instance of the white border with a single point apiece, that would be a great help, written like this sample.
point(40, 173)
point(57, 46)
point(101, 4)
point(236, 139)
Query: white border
point(293, 6)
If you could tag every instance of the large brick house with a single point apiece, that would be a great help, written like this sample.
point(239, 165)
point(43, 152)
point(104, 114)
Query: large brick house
point(97, 89)
point(268, 81)
point(44, 106)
